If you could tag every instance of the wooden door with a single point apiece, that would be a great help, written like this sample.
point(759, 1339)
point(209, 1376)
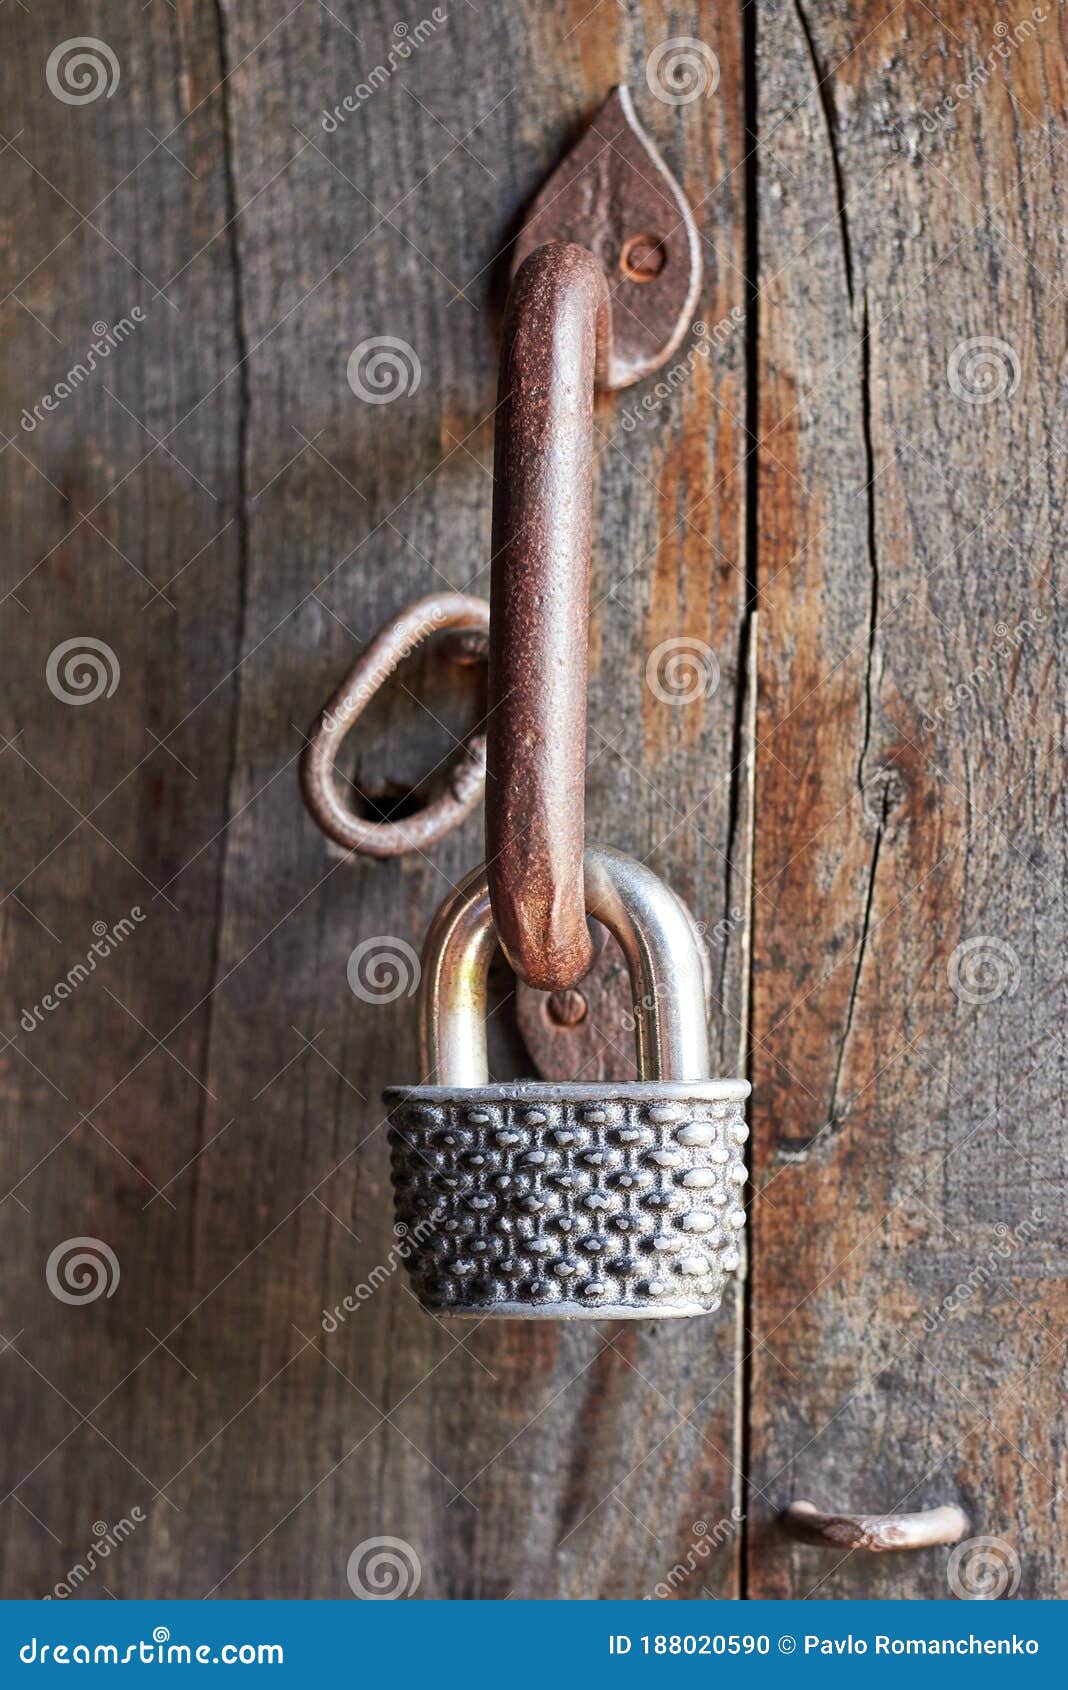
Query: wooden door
point(851, 503)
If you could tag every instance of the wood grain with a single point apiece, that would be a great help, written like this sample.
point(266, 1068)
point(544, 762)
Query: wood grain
point(515, 1459)
point(907, 1287)
point(851, 507)
point(123, 528)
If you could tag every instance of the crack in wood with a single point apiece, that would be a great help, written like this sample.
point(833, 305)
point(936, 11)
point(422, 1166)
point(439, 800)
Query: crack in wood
point(825, 95)
point(873, 555)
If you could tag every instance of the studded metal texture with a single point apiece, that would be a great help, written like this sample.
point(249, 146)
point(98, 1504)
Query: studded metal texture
point(571, 1201)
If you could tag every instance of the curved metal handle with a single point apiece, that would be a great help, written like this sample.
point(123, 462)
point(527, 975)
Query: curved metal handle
point(608, 270)
point(807, 1523)
point(556, 334)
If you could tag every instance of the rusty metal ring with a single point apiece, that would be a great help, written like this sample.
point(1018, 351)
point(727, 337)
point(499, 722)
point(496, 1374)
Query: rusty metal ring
point(807, 1523)
point(467, 776)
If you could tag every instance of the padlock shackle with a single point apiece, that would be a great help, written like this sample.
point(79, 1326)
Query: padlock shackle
point(457, 952)
point(655, 933)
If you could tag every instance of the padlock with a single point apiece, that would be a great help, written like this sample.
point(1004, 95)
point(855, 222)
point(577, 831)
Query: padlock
point(569, 1200)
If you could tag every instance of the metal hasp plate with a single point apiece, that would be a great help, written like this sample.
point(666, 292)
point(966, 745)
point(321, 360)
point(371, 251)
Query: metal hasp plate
point(614, 195)
point(582, 1033)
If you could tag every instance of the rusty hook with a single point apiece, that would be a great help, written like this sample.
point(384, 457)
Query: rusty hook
point(612, 199)
point(877, 1532)
point(467, 621)
point(610, 225)
point(555, 342)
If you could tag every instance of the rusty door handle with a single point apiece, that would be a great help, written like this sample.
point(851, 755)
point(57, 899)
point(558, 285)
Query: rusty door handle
point(608, 277)
point(809, 1524)
point(556, 334)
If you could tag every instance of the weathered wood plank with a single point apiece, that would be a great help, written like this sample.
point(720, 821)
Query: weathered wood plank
point(909, 920)
point(122, 528)
point(529, 1460)
point(516, 1458)
point(908, 1211)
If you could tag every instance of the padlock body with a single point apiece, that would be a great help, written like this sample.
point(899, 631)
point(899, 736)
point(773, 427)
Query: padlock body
point(570, 1201)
